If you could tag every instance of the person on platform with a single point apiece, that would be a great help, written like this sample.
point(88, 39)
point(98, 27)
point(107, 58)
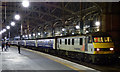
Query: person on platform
point(3, 45)
point(19, 47)
point(6, 46)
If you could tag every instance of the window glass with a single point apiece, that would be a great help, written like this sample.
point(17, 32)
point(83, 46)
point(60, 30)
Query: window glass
point(98, 39)
point(72, 41)
point(60, 41)
point(81, 41)
point(102, 39)
point(107, 39)
point(68, 41)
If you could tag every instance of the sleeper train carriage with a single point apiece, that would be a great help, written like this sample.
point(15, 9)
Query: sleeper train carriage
point(95, 47)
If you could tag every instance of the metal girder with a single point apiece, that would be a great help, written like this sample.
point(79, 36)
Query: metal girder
point(45, 13)
point(50, 15)
point(56, 6)
point(86, 10)
point(89, 13)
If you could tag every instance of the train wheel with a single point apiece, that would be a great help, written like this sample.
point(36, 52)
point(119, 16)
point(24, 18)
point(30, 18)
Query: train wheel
point(86, 58)
point(94, 61)
point(89, 59)
point(66, 53)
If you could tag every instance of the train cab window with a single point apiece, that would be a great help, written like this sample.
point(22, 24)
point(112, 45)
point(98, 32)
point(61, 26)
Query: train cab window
point(81, 41)
point(107, 39)
point(102, 39)
point(98, 39)
point(68, 41)
point(60, 41)
point(65, 41)
point(72, 41)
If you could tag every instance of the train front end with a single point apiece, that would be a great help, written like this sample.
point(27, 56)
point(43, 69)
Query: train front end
point(103, 45)
point(103, 48)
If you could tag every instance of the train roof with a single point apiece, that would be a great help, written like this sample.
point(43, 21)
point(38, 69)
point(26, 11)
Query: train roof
point(97, 34)
point(40, 38)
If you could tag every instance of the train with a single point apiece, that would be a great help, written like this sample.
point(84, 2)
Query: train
point(95, 47)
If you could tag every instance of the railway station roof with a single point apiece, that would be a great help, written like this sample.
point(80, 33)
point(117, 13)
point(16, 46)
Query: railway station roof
point(47, 15)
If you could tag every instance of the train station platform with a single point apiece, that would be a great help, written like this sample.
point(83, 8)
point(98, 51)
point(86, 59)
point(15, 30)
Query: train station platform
point(34, 61)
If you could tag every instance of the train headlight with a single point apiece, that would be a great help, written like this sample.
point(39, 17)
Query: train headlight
point(98, 49)
point(111, 49)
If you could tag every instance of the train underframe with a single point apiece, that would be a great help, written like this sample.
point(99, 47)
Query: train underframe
point(89, 58)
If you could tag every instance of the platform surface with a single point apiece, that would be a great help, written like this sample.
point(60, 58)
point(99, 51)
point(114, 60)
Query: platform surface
point(34, 61)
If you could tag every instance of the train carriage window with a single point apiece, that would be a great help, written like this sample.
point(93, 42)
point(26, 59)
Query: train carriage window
point(60, 41)
point(65, 41)
point(81, 41)
point(72, 41)
point(68, 41)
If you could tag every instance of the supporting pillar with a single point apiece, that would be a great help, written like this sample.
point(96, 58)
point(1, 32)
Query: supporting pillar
point(81, 26)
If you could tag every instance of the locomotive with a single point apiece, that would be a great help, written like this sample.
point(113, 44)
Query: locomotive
point(95, 47)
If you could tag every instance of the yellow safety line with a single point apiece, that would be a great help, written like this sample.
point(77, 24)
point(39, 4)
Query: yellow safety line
point(70, 66)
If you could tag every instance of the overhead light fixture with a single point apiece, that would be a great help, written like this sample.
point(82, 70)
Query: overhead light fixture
point(63, 29)
point(17, 17)
point(77, 27)
point(38, 33)
point(25, 3)
point(8, 27)
point(4, 30)
point(12, 23)
point(97, 23)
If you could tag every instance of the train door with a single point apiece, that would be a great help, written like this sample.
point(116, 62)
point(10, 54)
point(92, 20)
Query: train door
point(86, 43)
point(90, 45)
